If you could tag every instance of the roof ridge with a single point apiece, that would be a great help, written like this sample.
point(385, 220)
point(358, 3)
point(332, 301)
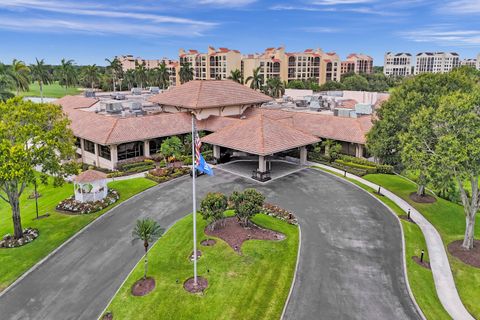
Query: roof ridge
point(111, 130)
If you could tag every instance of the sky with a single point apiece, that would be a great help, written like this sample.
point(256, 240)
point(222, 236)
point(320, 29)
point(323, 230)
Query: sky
point(90, 31)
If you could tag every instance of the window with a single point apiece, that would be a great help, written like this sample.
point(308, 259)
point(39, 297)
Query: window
point(77, 142)
point(105, 152)
point(89, 146)
point(155, 145)
point(130, 150)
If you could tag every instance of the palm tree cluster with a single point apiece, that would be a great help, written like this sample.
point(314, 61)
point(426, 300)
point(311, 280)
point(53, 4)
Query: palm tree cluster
point(274, 87)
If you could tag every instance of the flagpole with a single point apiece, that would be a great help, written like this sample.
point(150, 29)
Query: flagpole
point(194, 173)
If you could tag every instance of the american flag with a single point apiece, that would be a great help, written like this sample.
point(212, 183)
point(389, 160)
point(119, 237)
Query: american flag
point(198, 145)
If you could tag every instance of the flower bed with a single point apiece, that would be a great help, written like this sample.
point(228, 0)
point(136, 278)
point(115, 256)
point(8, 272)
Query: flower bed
point(160, 175)
point(72, 206)
point(8, 241)
point(279, 213)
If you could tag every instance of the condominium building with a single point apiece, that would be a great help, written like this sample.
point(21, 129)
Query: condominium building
point(478, 62)
point(128, 62)
point(436, 62)
point(469, 62)
point(397, 64)
point(289, 66)
point(357, 63)
point(213, 65)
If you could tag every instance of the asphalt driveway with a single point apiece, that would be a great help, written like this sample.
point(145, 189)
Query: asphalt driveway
point(350, 266)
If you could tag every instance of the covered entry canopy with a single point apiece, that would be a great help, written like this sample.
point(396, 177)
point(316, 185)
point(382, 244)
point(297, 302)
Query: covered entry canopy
point(262, 136)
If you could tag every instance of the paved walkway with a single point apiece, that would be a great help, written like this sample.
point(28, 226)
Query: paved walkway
point(442, 274)
point(350, 267)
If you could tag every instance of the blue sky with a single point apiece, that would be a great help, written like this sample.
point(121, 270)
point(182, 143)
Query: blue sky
point(89, 31)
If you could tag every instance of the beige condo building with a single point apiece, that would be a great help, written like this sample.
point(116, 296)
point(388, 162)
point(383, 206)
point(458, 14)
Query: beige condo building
point(357, 63)
point(129, 62)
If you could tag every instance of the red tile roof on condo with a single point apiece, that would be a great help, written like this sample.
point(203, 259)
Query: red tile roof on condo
point(308, 50)
point(260, 135)
point(202, 94)
point(75, 102)
point(90, 176)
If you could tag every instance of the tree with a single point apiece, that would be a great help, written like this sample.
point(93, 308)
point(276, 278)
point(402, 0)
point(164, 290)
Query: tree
point(296, 84)
point(68, 74)
point(140, 73)
point(19, 73)
point(6, 84)
point(247, 204)
point(275, 87)
point(454, 148)
point(163, 76)
point(331, 86)
point(91, 75)
point(40, 74)
point(256, 79)
point(332, 149)
point(130, 78)
point(186, 72)
point(115, 68)
point(171, 147)
point(212, 208)
point(356, 83)
point(32, 136)
point(147, 230)
point(236, 75)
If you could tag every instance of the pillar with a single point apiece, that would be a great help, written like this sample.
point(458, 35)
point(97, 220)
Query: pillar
point(262, 164)
point(97, 155)
point(303, 155)
point(114, 155)
point(146, 148)
point(216, 152)
point(359, 151)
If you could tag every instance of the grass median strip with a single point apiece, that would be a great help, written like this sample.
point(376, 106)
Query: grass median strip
point(251, 285)
point(53, 230)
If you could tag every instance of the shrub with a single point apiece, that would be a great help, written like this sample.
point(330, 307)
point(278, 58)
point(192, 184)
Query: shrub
point(247, 204)
point(212, 207)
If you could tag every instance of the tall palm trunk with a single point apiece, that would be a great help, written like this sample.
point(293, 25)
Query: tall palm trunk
point(145, 244)
point(41, 90)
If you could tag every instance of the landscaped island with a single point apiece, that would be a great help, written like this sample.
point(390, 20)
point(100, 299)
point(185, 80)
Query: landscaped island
point(251, 284)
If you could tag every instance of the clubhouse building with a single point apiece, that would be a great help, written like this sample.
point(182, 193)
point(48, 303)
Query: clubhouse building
point(110, 132)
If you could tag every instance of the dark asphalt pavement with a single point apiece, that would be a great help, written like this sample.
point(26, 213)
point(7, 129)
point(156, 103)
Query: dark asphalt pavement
point(350, 265)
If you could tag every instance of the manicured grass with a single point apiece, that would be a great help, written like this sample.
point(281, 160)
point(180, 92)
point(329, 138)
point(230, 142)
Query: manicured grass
point(55, 229)
point(254, 285)
point(53, 90)
point(420, 279)
point(449, 219)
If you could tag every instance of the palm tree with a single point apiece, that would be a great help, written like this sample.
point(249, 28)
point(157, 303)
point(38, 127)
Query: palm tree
point(186, 72)
point(91, 75)
point(275, 87)
point(130, 78)
point(41, 74)
point(256, 79)
point(19, 74)
point(140, 73)
point(236, 75)
point(6, 83)
point(147, 230)
point(68, 74)
point(115, 67)
point(163, 75)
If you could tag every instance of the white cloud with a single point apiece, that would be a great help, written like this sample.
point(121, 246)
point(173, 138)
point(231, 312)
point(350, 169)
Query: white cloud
point(340, 2)
point(461, 7)
point(227, 3)
point(320, 29)
point(444, 35)
point(363, 10)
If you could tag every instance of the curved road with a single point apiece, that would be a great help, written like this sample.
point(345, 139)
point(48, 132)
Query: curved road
point(350, 265)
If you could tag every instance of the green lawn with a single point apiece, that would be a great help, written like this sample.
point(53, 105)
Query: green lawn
point(449, 219)
point(53, 90)
point(54, 230)
point(420, 279)
point(254, 285)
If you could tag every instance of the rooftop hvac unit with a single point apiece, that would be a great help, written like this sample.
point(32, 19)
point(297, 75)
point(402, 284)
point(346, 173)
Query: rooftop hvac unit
point(363, 108)
point(118, 96)
point(113, 107)
point(154, 90)
point(133, 105)
point(136, 91)
point(89, 94)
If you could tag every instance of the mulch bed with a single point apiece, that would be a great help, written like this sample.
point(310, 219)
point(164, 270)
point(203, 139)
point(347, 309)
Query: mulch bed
point(406, 218)
point(143, 287)
point(107, 316)
point(470, 257)
point(422, 199)
point(208, 242)
point(202, 284)
point(199, 254)
point(424, 264)
point(233, 233)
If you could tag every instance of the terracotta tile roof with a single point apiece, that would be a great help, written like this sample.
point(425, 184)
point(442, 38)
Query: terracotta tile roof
point(198, 94)
point(90, 176)
point(75, 102)
point(260, 135)
point(320, 125)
